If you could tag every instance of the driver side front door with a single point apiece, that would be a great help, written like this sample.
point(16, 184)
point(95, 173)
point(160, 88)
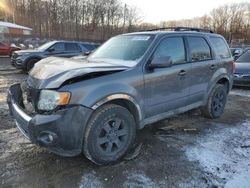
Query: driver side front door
point(167, 89)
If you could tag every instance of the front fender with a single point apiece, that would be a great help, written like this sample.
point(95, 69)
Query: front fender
point(110, 92)
point(27, 59)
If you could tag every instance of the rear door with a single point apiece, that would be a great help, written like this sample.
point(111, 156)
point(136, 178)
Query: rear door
point(167, 89)
point(203, 67)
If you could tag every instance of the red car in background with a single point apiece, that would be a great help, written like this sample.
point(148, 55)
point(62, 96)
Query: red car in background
point(7, 49)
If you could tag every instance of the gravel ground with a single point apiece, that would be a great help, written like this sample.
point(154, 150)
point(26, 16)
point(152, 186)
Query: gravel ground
point(184, 151)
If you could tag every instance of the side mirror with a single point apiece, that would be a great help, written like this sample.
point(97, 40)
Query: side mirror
point(160, 62)
point(87, 53)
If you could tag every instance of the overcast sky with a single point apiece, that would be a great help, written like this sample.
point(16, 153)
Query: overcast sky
point(155, 11)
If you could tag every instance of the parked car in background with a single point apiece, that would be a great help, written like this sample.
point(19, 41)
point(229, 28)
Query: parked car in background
point(242, 70)
point(8, 50)
point(26, 59)
point(236, 52)
point(91, 47)
point(132, 80)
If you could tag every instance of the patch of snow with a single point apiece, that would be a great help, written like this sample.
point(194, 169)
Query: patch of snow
point(90, 180)
point(139, 180)
point(240, 92)
point(223, 152)
point(239, 181)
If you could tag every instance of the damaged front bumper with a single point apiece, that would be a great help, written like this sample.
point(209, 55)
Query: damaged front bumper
point(61, 132)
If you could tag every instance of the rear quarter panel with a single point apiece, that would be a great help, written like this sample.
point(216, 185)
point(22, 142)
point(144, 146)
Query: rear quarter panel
point(224, 70)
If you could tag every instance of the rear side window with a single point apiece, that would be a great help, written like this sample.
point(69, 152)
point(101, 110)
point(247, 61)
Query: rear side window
point(172, 47)
point(199, 49)
point(221, 49)
point(72, 47)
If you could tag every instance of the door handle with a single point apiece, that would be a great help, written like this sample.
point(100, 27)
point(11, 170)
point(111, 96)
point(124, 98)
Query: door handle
point(212, 67)
point(182, 73)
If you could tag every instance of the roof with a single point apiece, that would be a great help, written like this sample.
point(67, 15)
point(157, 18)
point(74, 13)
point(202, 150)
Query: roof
point(14, 26)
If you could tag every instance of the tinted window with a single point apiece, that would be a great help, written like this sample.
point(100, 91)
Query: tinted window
point(1, 45)
point(199, 49)
point(172, 47)
point(221, 49)
point(72, 47)
point(245, 57)
point(58, 47)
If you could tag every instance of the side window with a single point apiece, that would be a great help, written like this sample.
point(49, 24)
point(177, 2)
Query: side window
point(71, 47)
point(172, 47)
point(58, 47)
point(199, 49)
point(221, 49)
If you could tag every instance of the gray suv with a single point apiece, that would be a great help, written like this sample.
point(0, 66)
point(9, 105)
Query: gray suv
point(97, 105)
point(26, 59)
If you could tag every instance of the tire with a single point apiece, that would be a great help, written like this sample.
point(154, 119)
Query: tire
point(109, 134)
point(30, 64)
point(216, 102)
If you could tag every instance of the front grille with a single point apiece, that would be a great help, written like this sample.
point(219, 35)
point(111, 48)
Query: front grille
point(246, 76)
point(30, 97)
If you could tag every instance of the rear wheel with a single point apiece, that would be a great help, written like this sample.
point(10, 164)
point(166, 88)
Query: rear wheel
point(109, 134)
point(31, 63)
point(216, 102)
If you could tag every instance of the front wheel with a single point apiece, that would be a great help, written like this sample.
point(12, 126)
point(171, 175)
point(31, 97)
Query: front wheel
point(109, 134)
point(216, 102)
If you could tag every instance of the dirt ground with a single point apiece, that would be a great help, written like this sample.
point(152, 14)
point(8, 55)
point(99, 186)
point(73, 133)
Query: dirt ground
point(184, 151)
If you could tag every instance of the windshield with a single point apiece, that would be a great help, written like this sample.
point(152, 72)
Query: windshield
point(245, 57)
point(123, 50)
point(45, 46)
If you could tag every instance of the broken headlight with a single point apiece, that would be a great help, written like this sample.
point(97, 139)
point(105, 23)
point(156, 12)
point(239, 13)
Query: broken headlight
point(49, 99)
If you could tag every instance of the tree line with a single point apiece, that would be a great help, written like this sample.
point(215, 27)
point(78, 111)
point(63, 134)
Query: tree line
point(73, 19)
point(232, 21)
point(98, 20)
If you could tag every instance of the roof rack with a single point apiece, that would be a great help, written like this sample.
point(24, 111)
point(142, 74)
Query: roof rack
point(182, 29)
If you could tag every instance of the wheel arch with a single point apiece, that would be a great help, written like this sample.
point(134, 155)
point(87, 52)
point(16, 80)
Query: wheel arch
point(125, 101)
point(222, 79)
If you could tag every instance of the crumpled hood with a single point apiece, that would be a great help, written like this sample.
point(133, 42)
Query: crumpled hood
point(242, 68)
point(52, 72)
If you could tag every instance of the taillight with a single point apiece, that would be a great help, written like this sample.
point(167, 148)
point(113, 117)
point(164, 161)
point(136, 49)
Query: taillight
point(233, 66)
